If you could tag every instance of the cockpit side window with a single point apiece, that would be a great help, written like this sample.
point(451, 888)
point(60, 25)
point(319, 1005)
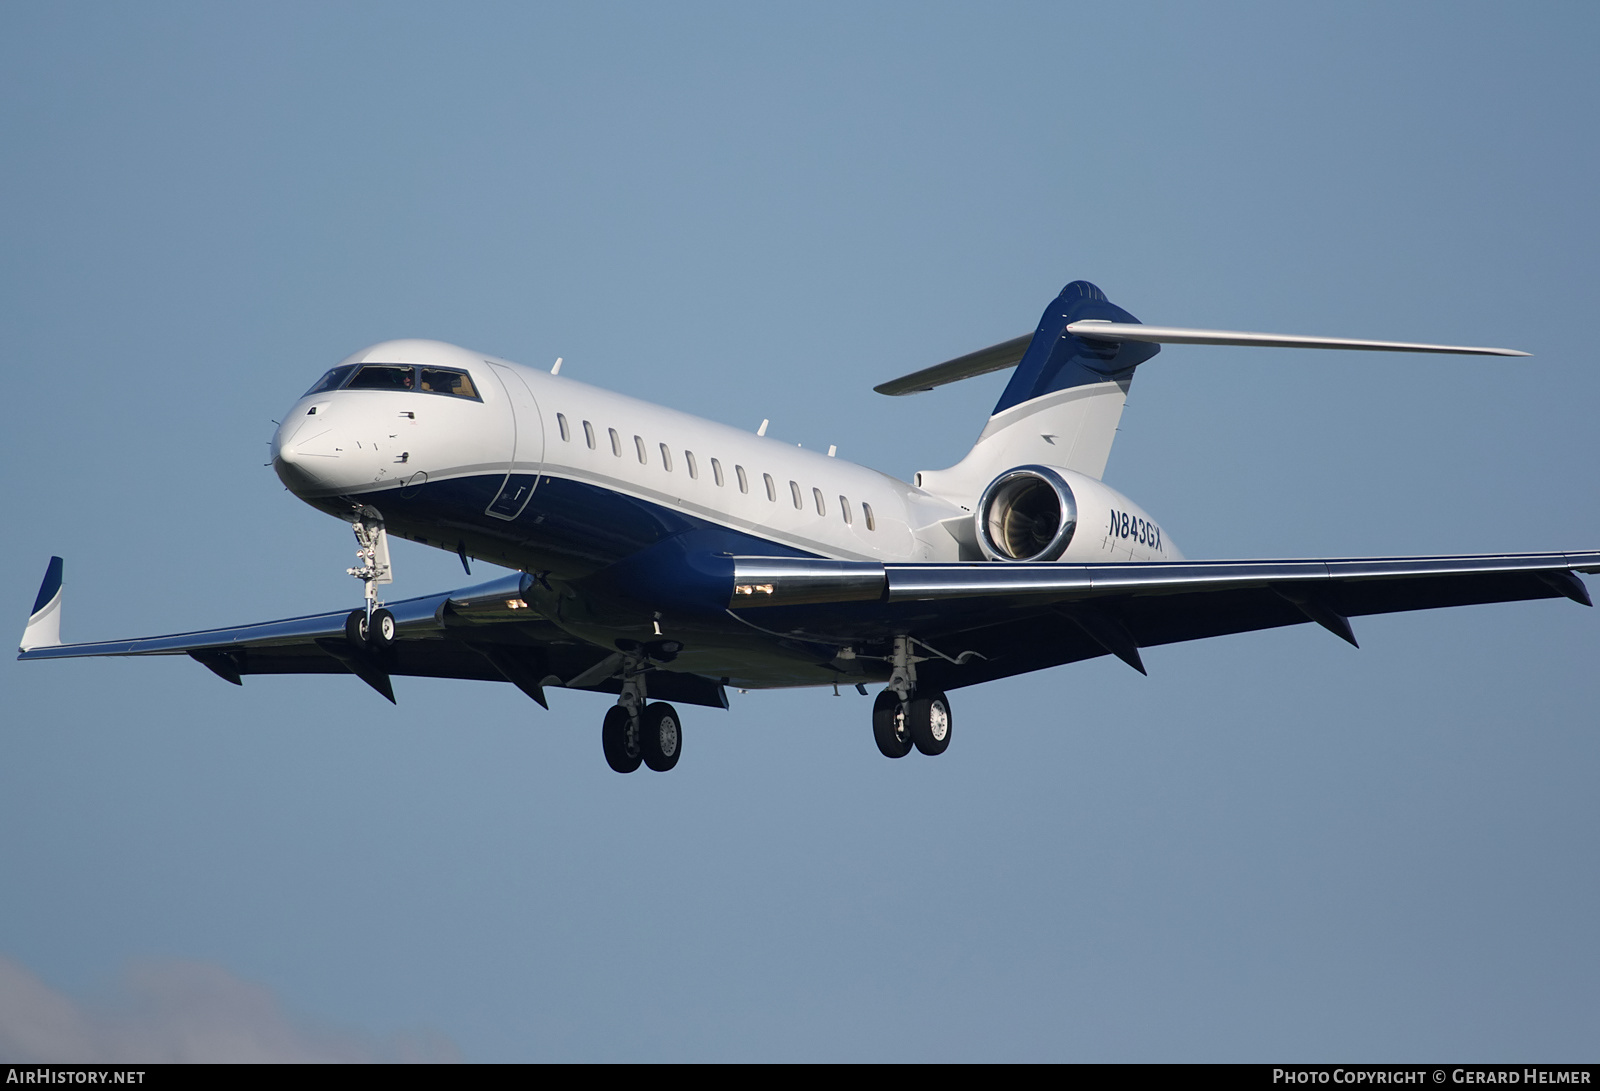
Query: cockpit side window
point(438, 380)
point(384, 377)
point(331, 381)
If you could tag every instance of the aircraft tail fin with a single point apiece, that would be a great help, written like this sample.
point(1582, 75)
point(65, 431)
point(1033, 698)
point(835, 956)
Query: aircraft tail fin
point(1063, 403)
point(44, 624)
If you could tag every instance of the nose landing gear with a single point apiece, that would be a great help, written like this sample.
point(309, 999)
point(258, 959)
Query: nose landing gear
point(376, 626)
point(375, 633)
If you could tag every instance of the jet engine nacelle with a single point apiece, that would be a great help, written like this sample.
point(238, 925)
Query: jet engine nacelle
point(1046, 513)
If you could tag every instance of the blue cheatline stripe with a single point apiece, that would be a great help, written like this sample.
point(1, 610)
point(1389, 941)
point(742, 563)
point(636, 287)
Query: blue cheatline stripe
point(565, 516)
point(50, 587)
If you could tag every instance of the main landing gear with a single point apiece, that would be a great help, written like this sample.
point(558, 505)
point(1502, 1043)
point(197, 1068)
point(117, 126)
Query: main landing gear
point(904, 716)
point(923, 722)
point(654, 738)
point(635, 732)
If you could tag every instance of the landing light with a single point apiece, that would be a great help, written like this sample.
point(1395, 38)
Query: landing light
point(752, 589)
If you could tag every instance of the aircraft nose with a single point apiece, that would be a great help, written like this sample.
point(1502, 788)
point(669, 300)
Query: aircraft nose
point(325, 450)
point(291, 468)
point(296, 455)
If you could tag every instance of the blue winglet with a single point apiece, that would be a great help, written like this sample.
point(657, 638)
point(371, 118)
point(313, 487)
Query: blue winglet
point(50, 586)
point(44, 623)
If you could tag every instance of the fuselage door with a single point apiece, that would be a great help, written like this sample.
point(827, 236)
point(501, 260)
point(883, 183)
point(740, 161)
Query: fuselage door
point(527, 447)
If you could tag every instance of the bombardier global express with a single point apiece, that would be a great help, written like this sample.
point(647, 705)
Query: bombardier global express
point(660, 557)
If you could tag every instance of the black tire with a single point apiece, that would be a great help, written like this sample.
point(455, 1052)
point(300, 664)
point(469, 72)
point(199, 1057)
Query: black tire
point(619, 740)
point(890, 729)
point(355, 630)
point(382, 630)
point(661, 736)
point(931, 722)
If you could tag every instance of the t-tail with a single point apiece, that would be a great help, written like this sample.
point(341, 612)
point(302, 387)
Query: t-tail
point(1065, 399)
point(1063, 403)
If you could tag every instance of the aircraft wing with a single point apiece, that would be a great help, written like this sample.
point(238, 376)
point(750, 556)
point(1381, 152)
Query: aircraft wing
point(471, 633)
point(979, 621)
point(974, 621)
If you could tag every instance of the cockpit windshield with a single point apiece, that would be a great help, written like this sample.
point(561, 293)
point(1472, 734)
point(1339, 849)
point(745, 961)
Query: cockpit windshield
point(331, 381)
point(429, 380)
point(384, 377)
point(438, 380)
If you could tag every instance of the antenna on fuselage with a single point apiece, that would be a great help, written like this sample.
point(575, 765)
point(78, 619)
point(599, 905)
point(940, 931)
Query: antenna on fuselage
point(557, 369)
point(763, 429)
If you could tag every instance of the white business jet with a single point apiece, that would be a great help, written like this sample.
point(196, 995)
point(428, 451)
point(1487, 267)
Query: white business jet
point(660, 557)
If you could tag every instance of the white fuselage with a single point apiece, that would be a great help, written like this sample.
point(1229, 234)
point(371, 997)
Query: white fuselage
point(364, 444)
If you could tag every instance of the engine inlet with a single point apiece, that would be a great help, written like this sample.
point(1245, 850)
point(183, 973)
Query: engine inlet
point(1026, 514)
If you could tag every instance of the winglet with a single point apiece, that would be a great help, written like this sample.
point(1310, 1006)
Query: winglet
point(44, 624)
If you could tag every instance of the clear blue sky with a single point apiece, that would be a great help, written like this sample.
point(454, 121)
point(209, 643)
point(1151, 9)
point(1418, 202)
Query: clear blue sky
point(1274, 847)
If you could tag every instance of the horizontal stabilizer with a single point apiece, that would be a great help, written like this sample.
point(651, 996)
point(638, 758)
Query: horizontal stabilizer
point(994, 358)
point(1009, 353)
point(1177, 335)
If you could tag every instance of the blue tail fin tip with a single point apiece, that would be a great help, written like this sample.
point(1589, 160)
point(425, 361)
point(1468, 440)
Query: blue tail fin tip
point(50, 586)
point(1056, 360)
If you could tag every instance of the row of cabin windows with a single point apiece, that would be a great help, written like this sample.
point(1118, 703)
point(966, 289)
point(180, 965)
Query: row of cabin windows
point(642, 450)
